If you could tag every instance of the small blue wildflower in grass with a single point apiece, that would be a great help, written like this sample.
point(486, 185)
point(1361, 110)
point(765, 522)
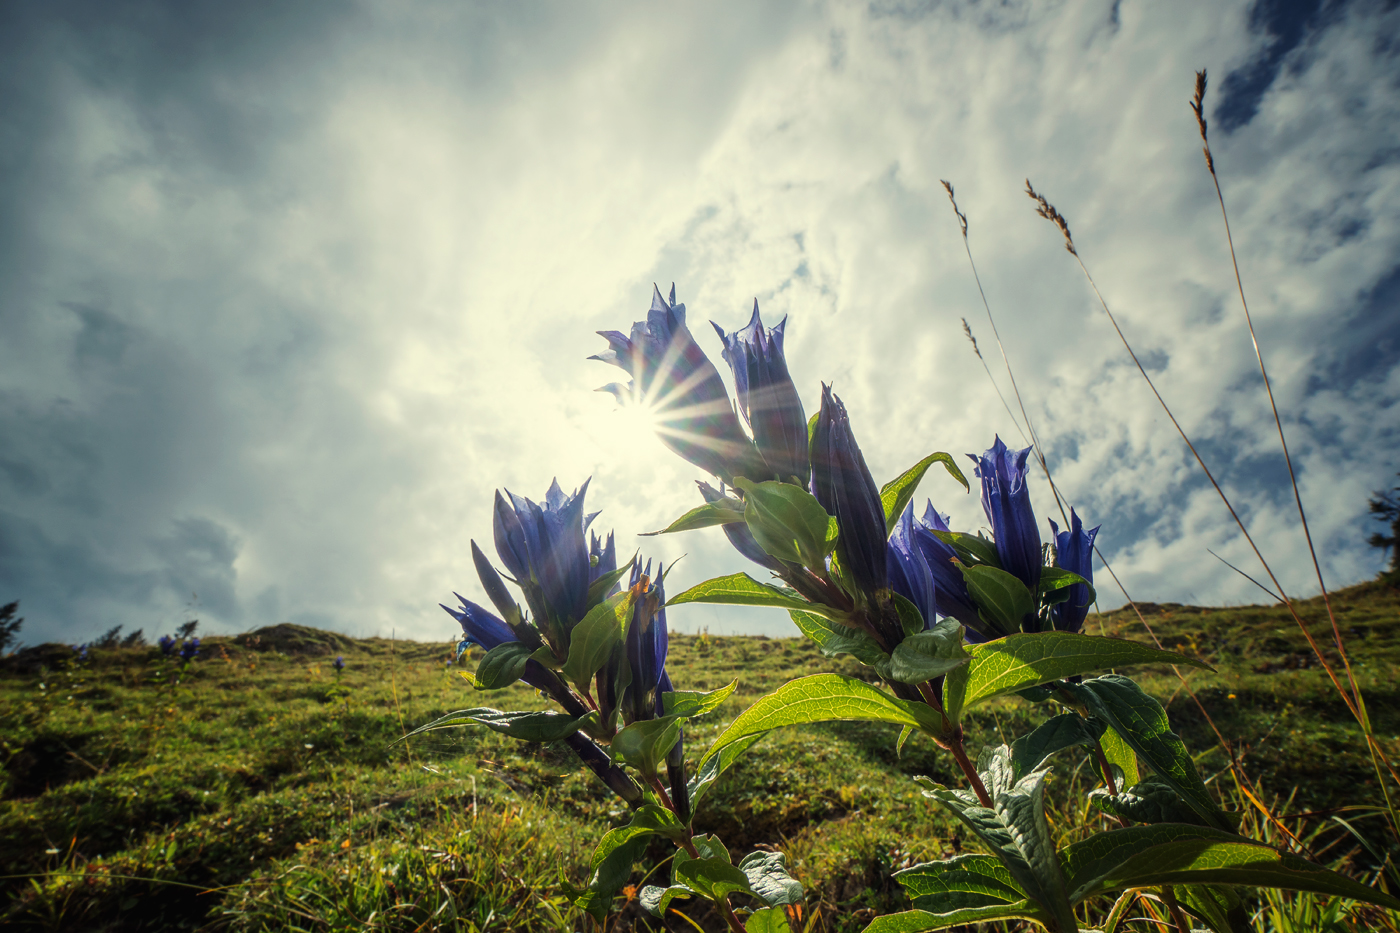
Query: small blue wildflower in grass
point(80, 651)
point(167, 645)
point(1074, 551)
point(1006, 498)
point(189, 649)
point(339, 664)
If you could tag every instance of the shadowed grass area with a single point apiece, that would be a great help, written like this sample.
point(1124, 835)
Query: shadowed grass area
point(254, 795)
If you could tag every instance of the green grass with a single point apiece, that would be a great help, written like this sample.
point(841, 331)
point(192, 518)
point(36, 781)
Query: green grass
point(251, 797)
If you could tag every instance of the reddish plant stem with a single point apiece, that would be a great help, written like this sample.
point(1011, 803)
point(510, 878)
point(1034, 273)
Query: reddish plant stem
point(955, 745)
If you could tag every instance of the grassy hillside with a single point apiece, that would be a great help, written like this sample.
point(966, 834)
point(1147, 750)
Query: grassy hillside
point(256, 795)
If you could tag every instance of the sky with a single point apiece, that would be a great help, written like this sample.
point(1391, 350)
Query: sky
point(288, 290)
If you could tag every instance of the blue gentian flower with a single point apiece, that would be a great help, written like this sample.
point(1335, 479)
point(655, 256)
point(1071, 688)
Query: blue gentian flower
point(672, 375)
point(739, 535)
point(81, 651)
point(1006, 498)
point(189, 648)
point(167, 644)
point(339, 664)
point(843, 485)
point(479, 626)
point(602, 558)
point(544, 548)
point(1074, 551)
point(950, 589)
point(646, 644)
point(909, 573)
point(767, 396)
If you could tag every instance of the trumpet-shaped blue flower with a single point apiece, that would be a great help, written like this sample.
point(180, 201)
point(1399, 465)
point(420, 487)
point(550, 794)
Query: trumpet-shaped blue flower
point(167, 645)
point(739, 534)
point(909, 573)
point(646, 646)
point(189, 648)
point(1006, 498)
point(544, 548)
point(1074, 551)
point(339, 664)
point(843, 485)
point(767, 396)
point(672, 376)
point(950, 589)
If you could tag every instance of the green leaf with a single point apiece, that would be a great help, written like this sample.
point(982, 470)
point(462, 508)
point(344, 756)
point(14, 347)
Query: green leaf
point(909, 617)
point(834, 639)
point(903, 737)
point(656, 899)
point(960, 883)
point(1151, 800)
point(897, 493)
point(768, 920)
point(787, 521)
point(1143, 725)
point(1002, 599)
point(971, 549)
point(722, 512)
point(712, 767)
point(611, 870)
point(823, 698)
point(599, 587)
point(929, 654)
point(592, 641)
point(688, 703)
point(1055, 734)
point(1057, 578)
point(1171, 853)
point(769, 879)
point(1121, 754)
point(740, 589)
point(1015, 662)
point(526, 725)
point(921, 921)
point(1219, 906)
point(502, 666)
point(712, 877)
point(647, 820)
point(645, 743)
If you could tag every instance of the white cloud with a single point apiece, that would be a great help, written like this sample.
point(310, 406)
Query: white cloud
point(341, 284)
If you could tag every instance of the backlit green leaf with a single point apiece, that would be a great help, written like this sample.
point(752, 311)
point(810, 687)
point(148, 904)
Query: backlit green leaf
point(502, 666)
point(723, 512)
point(897, 493)
point(592, 641)
point(526, 725)
point(929, 654)
point(740, 589)
point(787, 521)
point(823, 698)
point(689, 703)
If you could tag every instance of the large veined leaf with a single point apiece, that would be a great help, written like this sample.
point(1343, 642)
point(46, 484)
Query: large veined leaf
point(645, 743)
point(897, 493)
point(959, 883)
point(1055, 734)
point(1016, 832)
point(1151, 800)
point(711, 877)
point(655, 899)
point(824, 698)
point(1015, 662)
point(740, 589)
point(530, 726)
point(1121, 754)
point(1057, 579)
point(769, 879)
point(922, 921)
point(1150, 856)
point(971, 549)
point(617, 851)
point(1142, 723)
point(834, 639)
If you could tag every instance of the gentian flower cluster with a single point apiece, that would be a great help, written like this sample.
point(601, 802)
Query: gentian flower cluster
point(339, 664)
point(188, 649)
point(605, 671)
point(167, 645)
